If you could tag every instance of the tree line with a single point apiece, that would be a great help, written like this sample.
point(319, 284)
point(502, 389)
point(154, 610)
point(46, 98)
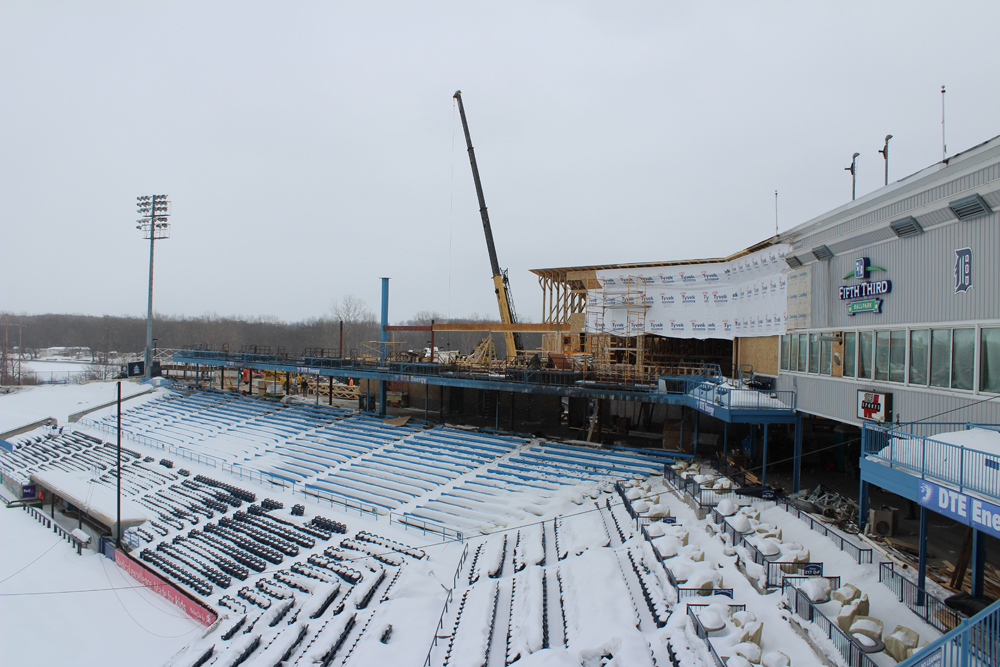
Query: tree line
point(110, 335)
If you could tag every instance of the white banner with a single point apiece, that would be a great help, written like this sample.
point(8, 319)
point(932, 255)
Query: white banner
point(741, 298)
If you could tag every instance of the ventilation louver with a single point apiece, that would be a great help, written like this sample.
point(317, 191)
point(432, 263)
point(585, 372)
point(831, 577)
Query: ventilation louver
point(793, 261)
point(822, 252)
point(907, 226)
point(969, 207)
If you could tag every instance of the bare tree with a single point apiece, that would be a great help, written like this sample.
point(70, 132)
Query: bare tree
point(360, 323)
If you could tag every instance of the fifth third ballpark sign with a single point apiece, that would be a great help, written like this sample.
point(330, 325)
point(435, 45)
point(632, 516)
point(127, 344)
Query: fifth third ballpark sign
point(963, 508)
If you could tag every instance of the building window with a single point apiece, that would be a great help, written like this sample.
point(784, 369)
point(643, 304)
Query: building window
point(814, 353)
point(940, 357)
point(850, 347)
point(963, 358)
point(897, 356)
point(919, 355)
point(803, 351)
point(784, 352)
point(793, 354)
point(826, 356)
point(865, 339)
point(882, 355)
point(989, 364)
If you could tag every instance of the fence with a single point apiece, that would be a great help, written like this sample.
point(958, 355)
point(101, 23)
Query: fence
point(861, 554)
point(408, 521)
point(702, 633)
point(56, 528)
point(931, 609)
point(447, 601)
point(800, 604)
point(681, 591)
point(976, 643)
point(904, 447)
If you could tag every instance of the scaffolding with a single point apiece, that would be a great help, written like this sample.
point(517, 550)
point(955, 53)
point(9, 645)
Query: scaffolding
point(616, 324)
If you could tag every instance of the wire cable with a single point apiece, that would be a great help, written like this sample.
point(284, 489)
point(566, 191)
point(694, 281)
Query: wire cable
point(30, 564)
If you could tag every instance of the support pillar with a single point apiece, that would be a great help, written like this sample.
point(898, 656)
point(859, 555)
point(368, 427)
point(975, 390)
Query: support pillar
point(978, 562)
point(797, 454)
point(681, 446)
point(697, 421)
point(763, 469)
point(385, 339)
point(331, 390)
point(863, 505)
point(513, 400)
point(725, 446)
point(922, 558)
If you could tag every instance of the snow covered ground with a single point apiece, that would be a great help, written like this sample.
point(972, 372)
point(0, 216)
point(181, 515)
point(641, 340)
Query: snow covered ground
point(552, 569)
point(55, 369)
point(29, 404)
point(58, 608)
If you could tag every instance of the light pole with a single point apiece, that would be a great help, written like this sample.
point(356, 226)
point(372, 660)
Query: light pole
point(854, 181)
point(154, 209)
point(885, 154)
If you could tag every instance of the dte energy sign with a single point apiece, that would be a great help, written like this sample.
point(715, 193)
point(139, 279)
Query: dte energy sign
point(965, 509)
point(864, 297)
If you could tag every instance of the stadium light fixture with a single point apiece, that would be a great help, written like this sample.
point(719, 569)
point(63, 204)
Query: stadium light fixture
point(155, 211)
point(885, 154)
point(854, 175)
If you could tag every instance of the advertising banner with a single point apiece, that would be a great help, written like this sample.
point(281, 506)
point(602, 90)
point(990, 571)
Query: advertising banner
point(963, 508)
point(158, 585)
point(744, 297)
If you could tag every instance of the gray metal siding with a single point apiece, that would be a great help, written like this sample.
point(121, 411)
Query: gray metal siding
point(944, 191)
point(837, 399)
point(921, 269)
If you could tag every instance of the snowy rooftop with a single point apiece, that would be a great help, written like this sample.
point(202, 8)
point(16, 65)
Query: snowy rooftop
point(96, 501)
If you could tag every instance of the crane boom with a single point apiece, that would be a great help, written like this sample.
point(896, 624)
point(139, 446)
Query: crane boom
point(500, 284)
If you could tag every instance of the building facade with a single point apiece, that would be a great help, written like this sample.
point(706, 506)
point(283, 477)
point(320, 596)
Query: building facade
point(894, 300)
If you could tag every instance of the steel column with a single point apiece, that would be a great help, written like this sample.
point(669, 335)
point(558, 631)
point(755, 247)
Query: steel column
point(978, 562)
point(922, 558)
point(797, 453)
point(763, 469)
point(385, 339)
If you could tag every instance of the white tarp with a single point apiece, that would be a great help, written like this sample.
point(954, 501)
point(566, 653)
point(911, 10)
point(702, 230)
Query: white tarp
point(741, 298)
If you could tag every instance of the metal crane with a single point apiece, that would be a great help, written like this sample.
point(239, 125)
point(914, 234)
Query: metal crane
point(500, 284)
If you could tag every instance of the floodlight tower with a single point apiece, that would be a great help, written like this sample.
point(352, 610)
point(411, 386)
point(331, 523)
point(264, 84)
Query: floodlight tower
point(154, 209)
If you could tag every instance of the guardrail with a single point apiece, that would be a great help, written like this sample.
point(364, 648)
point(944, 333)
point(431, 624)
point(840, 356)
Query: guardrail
point(930, 458)
point(733, 398)
point(975, 643)
point(775, 571)
point(702, 633)
point(426, 526)
point(447, 601)
point(800, 604)
point(40, 517)
point(861, 554)
point(682, 592)
point(931, 609)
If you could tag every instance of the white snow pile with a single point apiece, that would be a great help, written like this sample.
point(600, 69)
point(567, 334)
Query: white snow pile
point(972, 455)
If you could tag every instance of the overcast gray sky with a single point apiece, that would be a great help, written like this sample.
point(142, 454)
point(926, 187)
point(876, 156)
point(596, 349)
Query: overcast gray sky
point(311, 147)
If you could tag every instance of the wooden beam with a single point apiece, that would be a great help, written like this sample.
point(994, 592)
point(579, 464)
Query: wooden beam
point(500, 327)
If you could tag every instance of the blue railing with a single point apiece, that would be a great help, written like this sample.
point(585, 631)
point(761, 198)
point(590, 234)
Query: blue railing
point(975, 643)
point(933, 611)
point(905, 447)
point(735, 398)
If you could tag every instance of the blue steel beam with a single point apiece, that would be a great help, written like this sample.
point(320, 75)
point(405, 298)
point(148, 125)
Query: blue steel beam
point(429, 374)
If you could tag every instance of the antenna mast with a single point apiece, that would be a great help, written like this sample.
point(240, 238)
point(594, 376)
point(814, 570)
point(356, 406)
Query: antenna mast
point(944, 146)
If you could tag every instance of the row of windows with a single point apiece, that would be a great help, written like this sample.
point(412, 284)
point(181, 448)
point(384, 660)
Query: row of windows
point(925, 357)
